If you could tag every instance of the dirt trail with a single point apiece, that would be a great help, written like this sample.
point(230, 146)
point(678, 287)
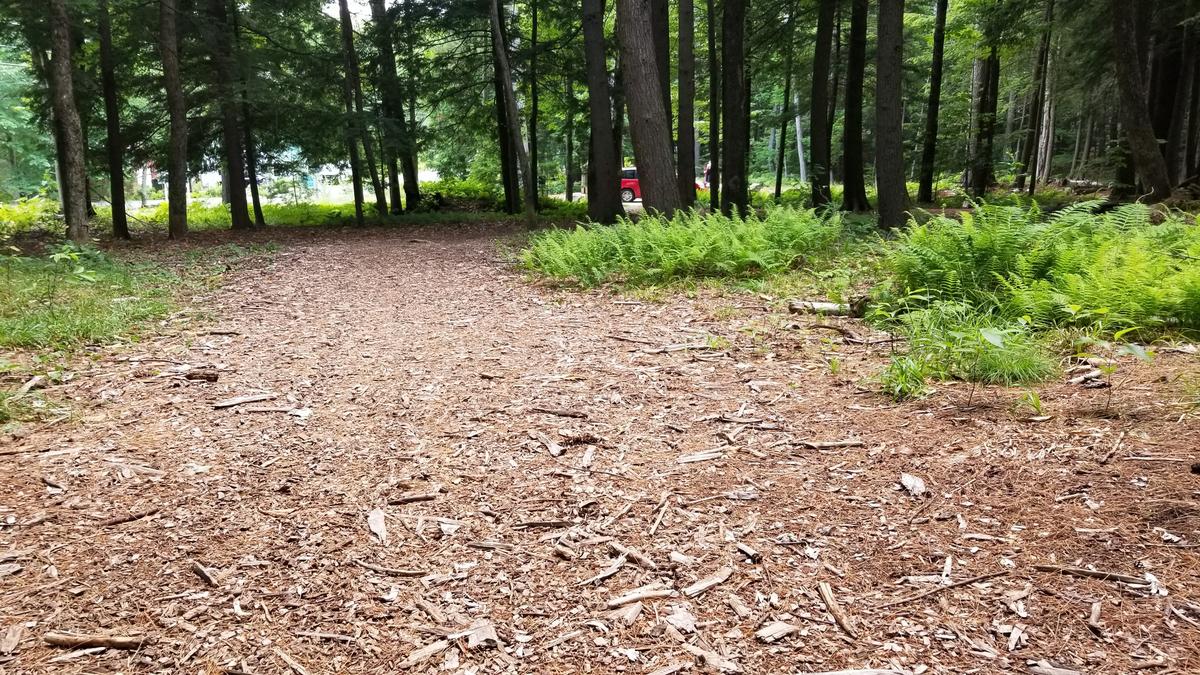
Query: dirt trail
point(416, 374)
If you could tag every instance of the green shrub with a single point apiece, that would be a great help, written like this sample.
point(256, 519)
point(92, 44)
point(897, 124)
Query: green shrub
point(655, 249)
point(27, 215)
point(1075, 268)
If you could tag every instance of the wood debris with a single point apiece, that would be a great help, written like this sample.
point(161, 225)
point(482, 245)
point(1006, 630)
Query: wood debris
point(377, 526)
point(204, 574)
point(648, 592)
point(702, 585)
point(424, 654)
point(713, 660)
point(774, 631)
point(840, 617)
point(704, 456)
point(242, 400)
point(633, 554)
point(85, 640)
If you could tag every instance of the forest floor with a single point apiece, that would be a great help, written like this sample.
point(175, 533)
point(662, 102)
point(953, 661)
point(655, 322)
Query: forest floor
point(452, 469)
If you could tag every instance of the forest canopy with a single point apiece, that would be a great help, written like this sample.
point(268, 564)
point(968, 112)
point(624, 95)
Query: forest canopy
point(861, 105)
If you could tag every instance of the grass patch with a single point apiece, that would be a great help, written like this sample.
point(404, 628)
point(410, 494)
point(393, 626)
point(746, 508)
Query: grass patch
point(77, 296)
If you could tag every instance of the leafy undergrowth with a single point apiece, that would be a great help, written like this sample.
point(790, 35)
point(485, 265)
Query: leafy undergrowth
point(996, 297)
point(689, 245)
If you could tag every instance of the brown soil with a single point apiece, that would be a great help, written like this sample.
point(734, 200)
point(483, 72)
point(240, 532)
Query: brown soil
point(416, 373)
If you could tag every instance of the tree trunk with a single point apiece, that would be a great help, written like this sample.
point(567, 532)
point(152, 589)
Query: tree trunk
point(1193, 143)
point(735, 93)
point(1045, 159)
point(71, 149)
point(929, 146)
point(649, 124)
point(168, 47)
point(686, 145)
point(247, 125)
point(113, 143)
point(889, 115)
point(1176, 148)
point(395, 132)
point(799, 138)
point(514, 118)
point(818, 122)
point(1033, 128)
point(509, 177)
point(604, 169)
point(353, 124)
point(224, 77)
point(785, 112)
point(714, 110)
point(835, 81)
point(570, 141)
point(533, 104)
point(660, 30)
point(982, 154)
point(854, 194)
point(357, 129)
point(1148, 162)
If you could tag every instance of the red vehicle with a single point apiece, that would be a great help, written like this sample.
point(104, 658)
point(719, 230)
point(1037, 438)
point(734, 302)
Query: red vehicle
point(631, 189)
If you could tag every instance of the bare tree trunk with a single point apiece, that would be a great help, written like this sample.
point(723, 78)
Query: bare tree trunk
point(1139, 131)
point(889, 115)
point(357, 130)
point(686, 145)
point(533, 104)
point(113, 143)
point(509, 175)
point(660, 30)
point(714, 110)
point(929, 145)
point(799, 138)
point(247, 124)
point(818, 122)
point(1033, 129)
point(1176, 149)
point(570, 140)
point(735, 100)
point(224, 76)
point(395, 132)
point(1075, 150)
point(649, 124)
point(71, 149)
point(785, 112)
point(1045, 160)
point(985, 117)
point(604, 169)
point(168, 47)
point(353, 124)
point(854, 193)
point(514, 118)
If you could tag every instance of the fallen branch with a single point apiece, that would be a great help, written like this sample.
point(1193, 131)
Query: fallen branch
point(128, 517)
point(389, 570)
point(1091, 574)
point(839, 615)
point(77, 641)
point(239, 400)
point(939, 589)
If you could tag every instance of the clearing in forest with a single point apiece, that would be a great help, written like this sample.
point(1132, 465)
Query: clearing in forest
point(382, 450)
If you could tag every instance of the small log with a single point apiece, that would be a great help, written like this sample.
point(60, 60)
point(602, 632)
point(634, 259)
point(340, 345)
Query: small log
point(819, 307)
point(205, 575)
point(78, 641)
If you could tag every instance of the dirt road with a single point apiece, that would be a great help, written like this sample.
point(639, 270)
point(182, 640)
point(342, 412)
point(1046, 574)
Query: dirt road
point(453, 469)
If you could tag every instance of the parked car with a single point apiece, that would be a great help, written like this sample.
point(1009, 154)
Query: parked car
point(631, 189)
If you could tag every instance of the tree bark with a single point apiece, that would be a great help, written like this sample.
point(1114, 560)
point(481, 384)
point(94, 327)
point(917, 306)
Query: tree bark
point(224, 77)
point(514, 118)
point(889, 146)
point(735, 93)
point(113, 143)
point(854, 193)
point(247, 125)
point(533, 103)
point(356, 120)
point(818, 122)
point(395, 132)
point(660, 27)
point(985, 121)
point(799, 138)
point(686, 145)
point(509, 178)
point(1045, 159)
point(714, 109)
point(71, 149)
point(604, 169)
point(649, 124)
point(168, 47)
point(785, 112)
point(929, 145)
point(569, 188)
point(1177, 136)
point(353, 124)
point(1148, 161)
point(1033, 129)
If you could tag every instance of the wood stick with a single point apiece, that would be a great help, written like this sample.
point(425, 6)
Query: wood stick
point(839, 616)
point(128, 517)
point(76, 641)
point(389, 570)
point(939, 589)
point(633, 554)
point(1091, 574)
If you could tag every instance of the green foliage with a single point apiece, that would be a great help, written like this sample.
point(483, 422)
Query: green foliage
point(905, 377)
point(76, 296)
point(1075, 268)
point(654, 249)
point(28, 215)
